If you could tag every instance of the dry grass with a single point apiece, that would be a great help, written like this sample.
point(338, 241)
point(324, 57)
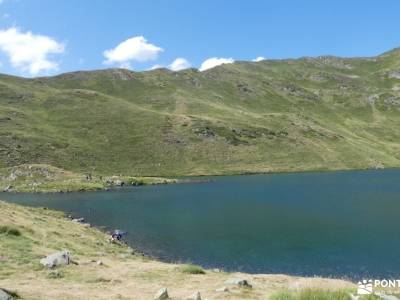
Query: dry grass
point(122, 275)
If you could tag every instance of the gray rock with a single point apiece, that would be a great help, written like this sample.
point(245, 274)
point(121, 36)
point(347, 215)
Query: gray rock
point(396, 88)
point(79, 220)
point(119, 182)
point(195, 296)
point(56, 259)
point(8, 188)
point(395, 75)
point(162, 294)
point(99, 263)
point(239, 282)
point(5, 296)
point(222, 289)
point(217, 270)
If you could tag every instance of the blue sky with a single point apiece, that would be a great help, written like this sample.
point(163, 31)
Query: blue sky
point(52, 36)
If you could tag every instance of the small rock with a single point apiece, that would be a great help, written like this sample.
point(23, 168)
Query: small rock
point(99, 263)
point(56, 259)
point(195, 296)
point(119, 183)
point(5, 296)
point(8, 188)
point(79, 220)
point(222, 289)
point(240, 282)
point(217, 270)
point(394, 74)
point(162, 294)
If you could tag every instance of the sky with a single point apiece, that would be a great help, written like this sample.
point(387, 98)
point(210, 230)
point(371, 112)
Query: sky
point(46, 37)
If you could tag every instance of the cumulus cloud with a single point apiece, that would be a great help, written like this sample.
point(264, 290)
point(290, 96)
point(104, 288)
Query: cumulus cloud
point(133, 49)
point(215, 61)
point(29, 52)
point(156, 66)
point(260, 58)
point(179, 64)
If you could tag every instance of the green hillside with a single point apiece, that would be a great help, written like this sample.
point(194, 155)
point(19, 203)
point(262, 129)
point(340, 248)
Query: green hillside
point(275, 115)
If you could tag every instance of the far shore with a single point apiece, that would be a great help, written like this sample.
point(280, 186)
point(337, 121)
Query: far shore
point(62, 181)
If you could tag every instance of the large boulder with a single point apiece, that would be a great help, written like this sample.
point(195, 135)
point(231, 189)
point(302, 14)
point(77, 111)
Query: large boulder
point(5, 296)
point(162, 294)
point(56, 259)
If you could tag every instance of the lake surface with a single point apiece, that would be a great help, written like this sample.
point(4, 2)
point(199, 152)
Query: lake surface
point(339, 224)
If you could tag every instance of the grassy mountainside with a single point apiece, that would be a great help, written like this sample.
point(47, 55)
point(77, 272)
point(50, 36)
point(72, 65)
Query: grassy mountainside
point(28, 234)
point(275, 115)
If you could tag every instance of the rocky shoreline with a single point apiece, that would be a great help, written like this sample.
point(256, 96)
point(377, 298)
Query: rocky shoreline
point(78, 262)
point(39, 178)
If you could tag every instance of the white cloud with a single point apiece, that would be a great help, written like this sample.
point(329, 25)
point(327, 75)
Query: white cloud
point(156, 66)
point(29, 52)
point(179, 64)
point(215, 61)
point(125, 65)
point(260, 58)
point(133, 49)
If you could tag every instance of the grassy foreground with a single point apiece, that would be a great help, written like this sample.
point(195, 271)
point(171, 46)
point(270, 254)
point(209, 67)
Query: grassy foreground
point(28, 234)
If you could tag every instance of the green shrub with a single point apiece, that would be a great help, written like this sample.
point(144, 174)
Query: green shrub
point(192, 269)
point(9, 230)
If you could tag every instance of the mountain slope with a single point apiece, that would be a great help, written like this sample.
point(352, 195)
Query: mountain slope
point(274, 115)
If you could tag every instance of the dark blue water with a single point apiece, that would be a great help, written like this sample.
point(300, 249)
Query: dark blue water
point(339, 224)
